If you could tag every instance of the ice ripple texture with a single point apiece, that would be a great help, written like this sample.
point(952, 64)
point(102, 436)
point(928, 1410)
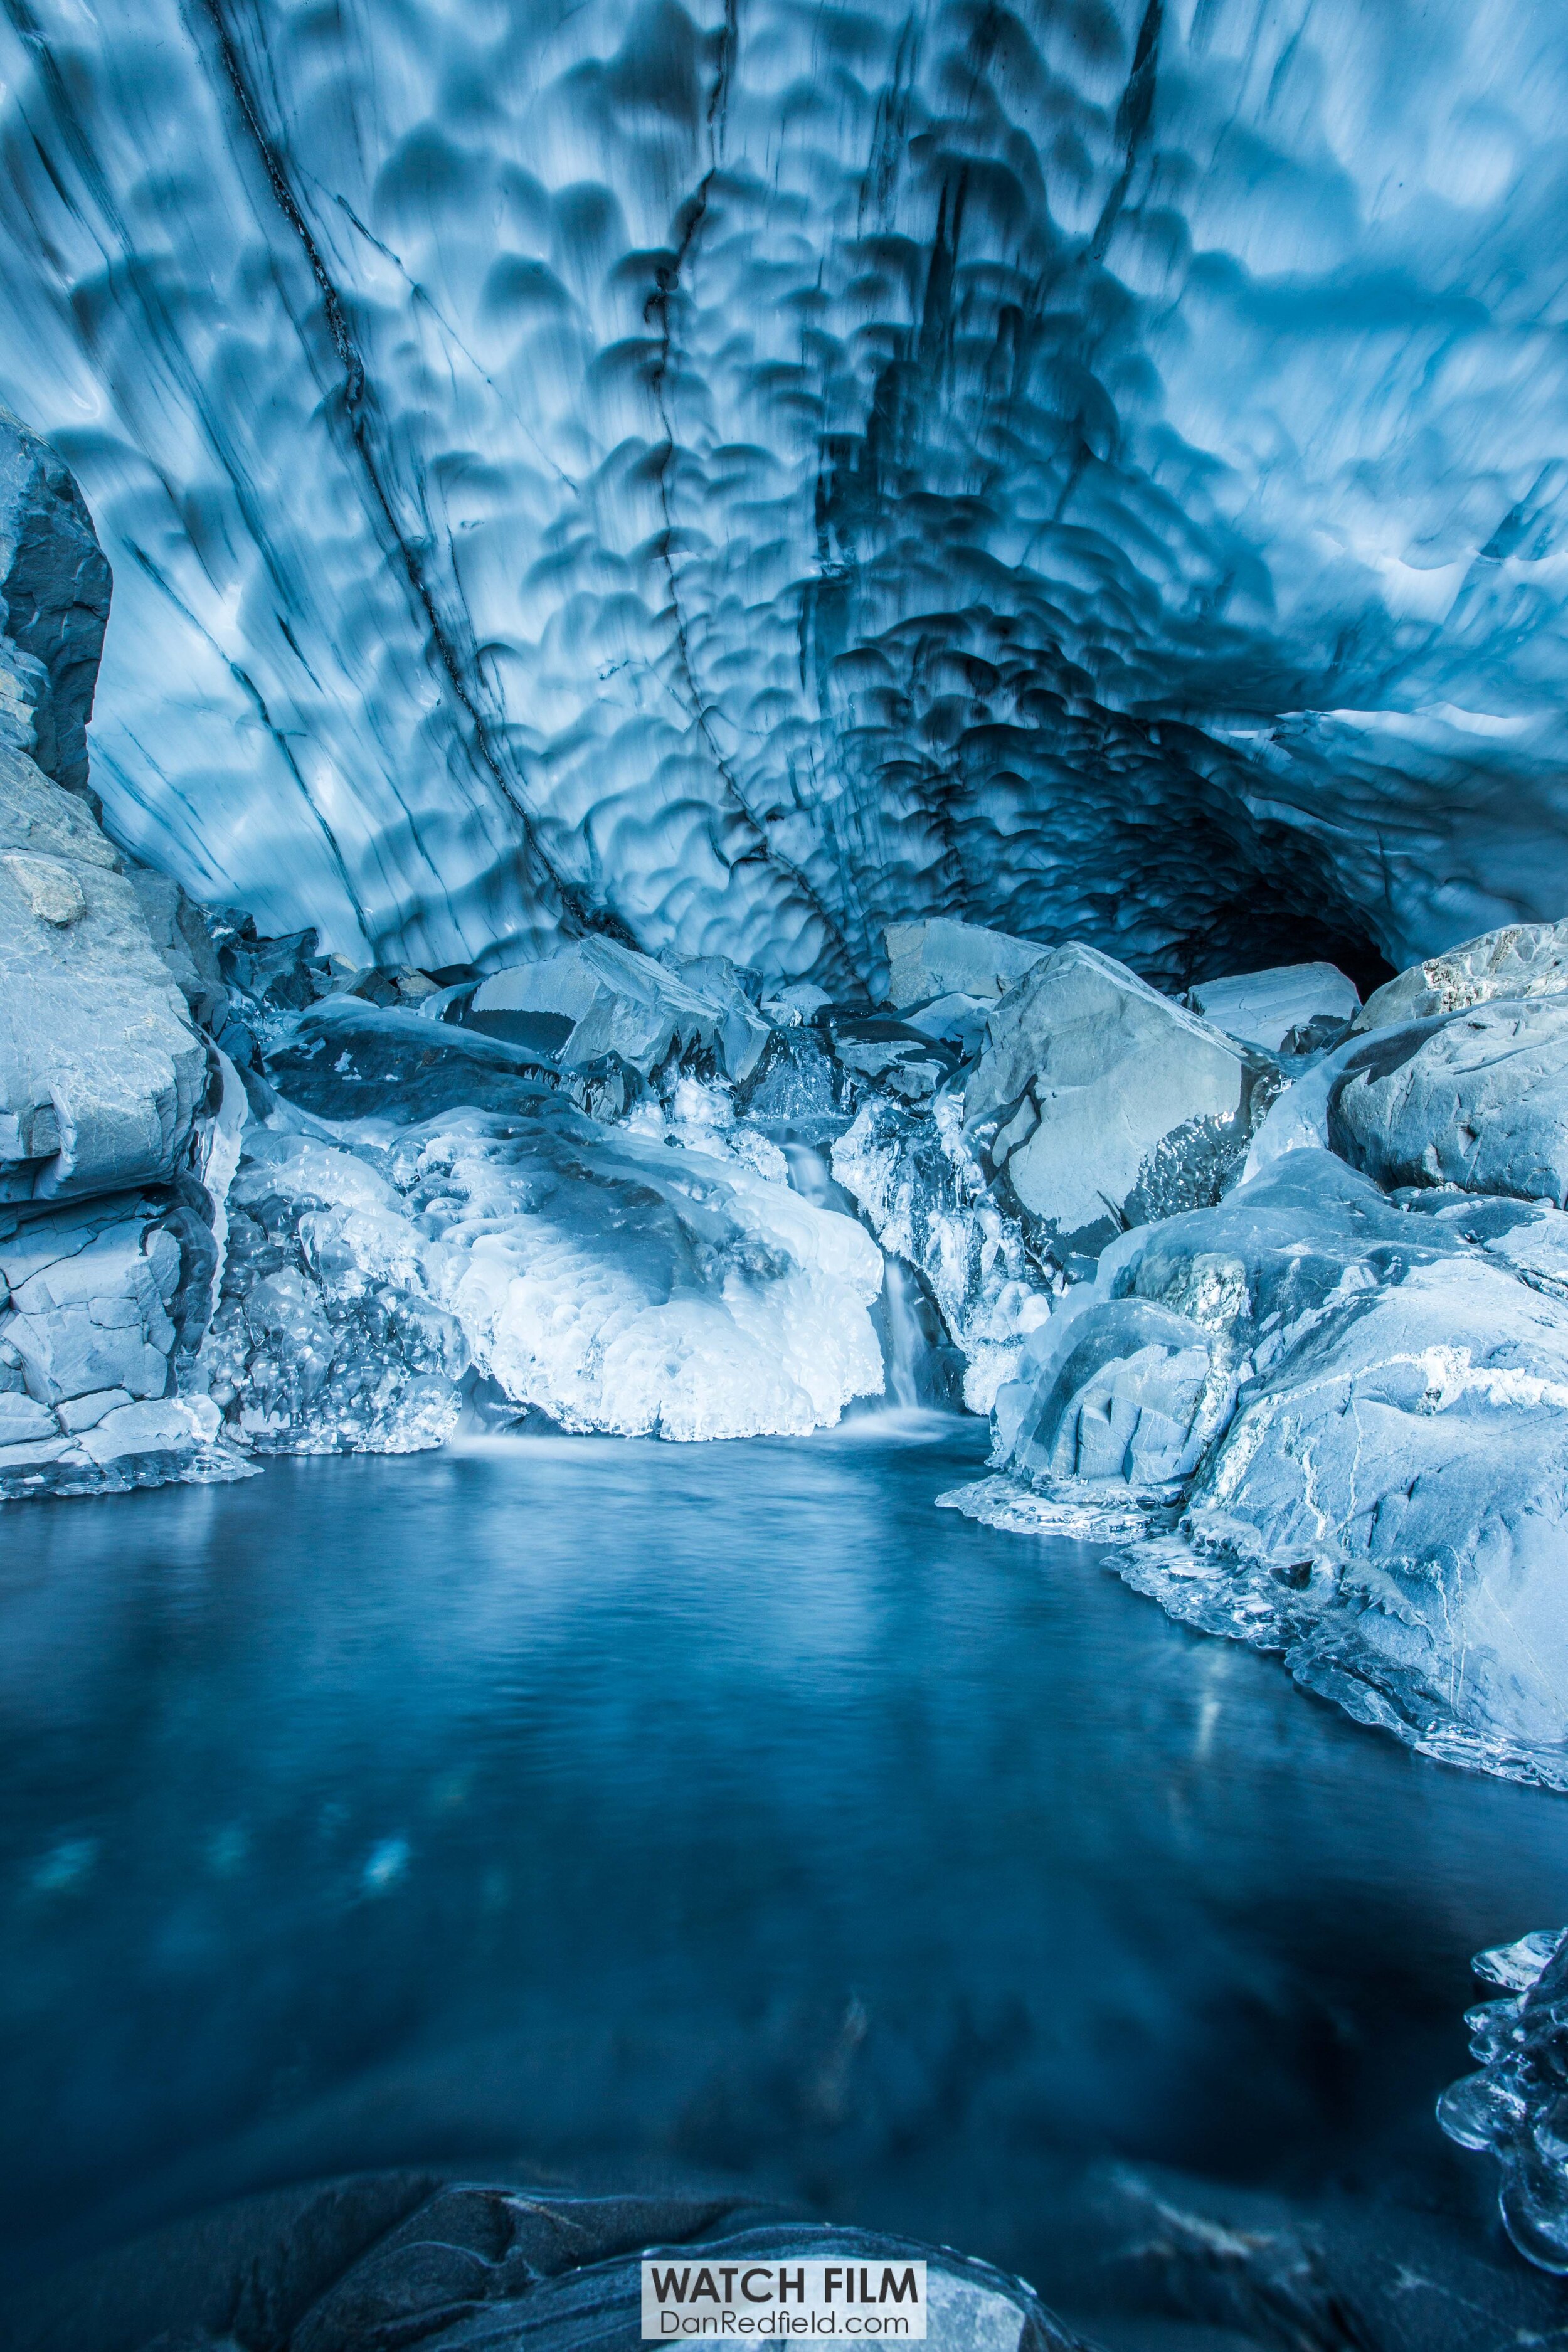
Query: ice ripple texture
point(733, 475)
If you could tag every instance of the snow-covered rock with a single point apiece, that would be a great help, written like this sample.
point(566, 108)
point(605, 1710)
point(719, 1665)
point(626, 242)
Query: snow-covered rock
point(1105, 1102)
point(1521, 960)
point(1265, 1008)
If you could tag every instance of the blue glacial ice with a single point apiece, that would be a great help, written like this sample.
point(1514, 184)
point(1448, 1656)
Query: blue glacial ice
point(735, 477)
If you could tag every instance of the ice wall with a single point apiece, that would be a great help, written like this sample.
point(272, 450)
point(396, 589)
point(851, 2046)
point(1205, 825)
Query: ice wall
point(739, 474)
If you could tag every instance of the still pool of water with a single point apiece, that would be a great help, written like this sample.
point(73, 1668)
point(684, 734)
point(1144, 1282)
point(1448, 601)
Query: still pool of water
point(631, 1811)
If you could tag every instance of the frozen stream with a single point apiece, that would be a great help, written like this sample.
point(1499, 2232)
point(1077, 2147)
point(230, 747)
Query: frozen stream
point(635, 1811)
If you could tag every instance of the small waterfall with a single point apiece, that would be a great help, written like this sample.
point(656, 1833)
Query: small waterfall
point(905, 1338)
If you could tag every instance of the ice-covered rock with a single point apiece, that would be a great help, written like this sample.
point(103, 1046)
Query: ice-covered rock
point(800, 1002)
point(1390, 1504)
point(799, 1093)
point(1246, 1279)
point(329, 1335)
point(1365, 1414)
point(1117, 1399)
point(595, 1000)
point(942, 958)
point(1481, 1101)
point(1512, 2109)
point(181, 933)
point(1105, 1102)
point(100, 1072)
point(1300, 1001)
point(1521, 960)
point(655, 1278)
point(107, 1231)
point(345, 1059)
point(927, 1198)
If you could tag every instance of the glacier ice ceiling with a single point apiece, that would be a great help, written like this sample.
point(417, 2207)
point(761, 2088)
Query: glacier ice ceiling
point(736, 475)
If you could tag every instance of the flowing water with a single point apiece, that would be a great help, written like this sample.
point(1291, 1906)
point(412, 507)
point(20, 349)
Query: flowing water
point(627, 1811)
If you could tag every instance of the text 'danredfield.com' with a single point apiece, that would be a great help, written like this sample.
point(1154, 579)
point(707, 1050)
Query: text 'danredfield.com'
point(686, 2298)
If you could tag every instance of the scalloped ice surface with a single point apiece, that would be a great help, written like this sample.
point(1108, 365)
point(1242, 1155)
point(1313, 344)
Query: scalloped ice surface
point(745, 472)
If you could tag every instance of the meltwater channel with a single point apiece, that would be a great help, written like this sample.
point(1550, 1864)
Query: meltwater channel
point(631, 1814)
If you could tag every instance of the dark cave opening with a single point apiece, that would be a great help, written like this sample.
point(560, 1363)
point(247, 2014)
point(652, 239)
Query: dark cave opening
point(1263, 894)
point(1249, 935)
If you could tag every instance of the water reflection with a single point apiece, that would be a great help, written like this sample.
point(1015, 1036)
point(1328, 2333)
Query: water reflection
point(632, 1808)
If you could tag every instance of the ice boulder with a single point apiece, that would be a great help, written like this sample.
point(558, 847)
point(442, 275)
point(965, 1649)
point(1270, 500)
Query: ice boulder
point(1394, 1495)
point(941, 958)
point(596, 998)
point(894, 1055)
point(1299, 1000)
point(1481, 1101)
point(345, 1059)
point(955, 1020)
point(1519, 960)
point(100, 1071)
point(1106, 1103)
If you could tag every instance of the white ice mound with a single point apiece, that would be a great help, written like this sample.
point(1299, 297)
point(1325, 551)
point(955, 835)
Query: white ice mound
point(616, 1279)
point(748, 476)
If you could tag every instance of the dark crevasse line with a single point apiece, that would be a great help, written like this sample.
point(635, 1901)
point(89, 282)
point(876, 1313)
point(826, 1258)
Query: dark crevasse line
point(572, 905)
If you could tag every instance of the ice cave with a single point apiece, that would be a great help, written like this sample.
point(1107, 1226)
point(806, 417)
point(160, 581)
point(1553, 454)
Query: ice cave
point(784, 1174)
